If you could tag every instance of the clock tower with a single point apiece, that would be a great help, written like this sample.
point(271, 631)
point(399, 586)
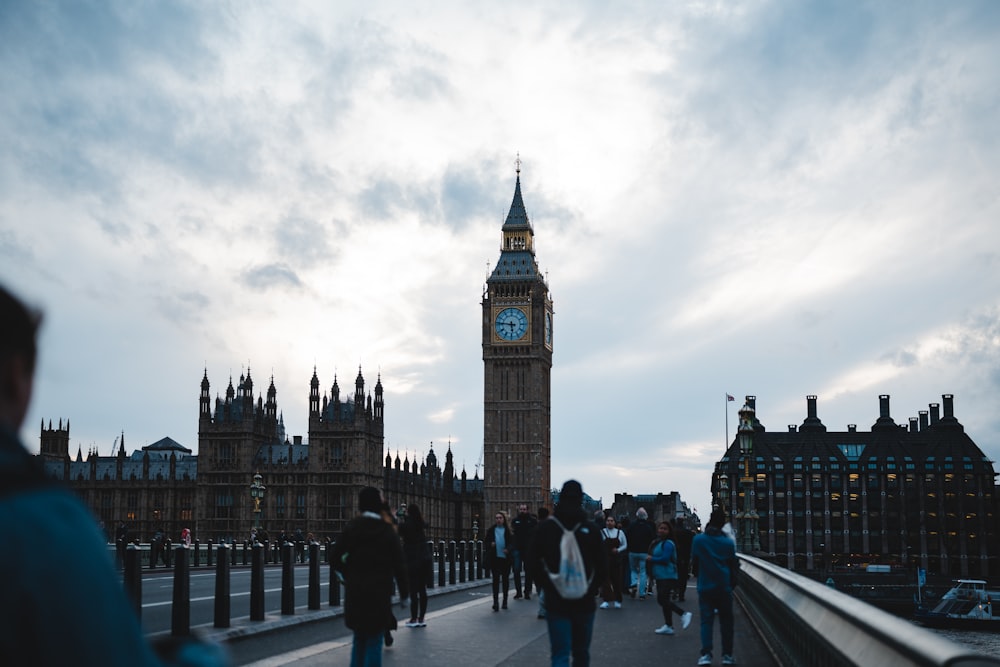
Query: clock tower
point(517, 359)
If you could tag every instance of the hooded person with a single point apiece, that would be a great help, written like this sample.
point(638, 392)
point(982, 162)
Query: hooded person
point(570, 621)
point(369, 556)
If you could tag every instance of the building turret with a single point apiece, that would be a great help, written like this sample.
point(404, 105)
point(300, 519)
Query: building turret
point(204, 401)
point(314, 395)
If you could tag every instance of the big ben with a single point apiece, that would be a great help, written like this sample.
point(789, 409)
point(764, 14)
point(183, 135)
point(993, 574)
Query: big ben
point(517, 359)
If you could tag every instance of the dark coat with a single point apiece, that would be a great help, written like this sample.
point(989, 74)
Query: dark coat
point(419, 561)
point(369, 555)
point(490, 545)
point(545, 550)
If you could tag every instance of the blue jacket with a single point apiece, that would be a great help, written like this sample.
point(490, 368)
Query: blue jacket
point(664, 559)
point(63, 603)
point(713, 559)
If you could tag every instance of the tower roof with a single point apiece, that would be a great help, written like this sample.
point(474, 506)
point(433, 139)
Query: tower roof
point(517, 252)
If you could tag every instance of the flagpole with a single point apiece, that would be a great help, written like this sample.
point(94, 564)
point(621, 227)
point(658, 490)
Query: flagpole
point(726, 403)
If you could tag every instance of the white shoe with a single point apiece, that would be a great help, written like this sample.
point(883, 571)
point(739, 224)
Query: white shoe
point(605, 605)
point(705, 659)
point(685, 620)
point(618, 605)
point(728, 660)
point(664, 630)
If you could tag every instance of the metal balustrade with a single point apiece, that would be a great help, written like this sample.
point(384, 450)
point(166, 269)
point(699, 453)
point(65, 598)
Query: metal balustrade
point(804, 622)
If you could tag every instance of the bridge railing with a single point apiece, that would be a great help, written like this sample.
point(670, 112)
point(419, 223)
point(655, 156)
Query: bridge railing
point(804, 622)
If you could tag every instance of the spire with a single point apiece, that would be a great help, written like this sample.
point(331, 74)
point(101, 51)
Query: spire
point(517, 249)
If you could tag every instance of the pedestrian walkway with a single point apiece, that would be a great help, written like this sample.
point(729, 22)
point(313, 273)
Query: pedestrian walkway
point(471, 633)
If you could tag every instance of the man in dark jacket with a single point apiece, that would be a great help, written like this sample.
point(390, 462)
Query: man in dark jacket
point(369, 555)
point(524, 526)
point(570, 621)
point(682, 538)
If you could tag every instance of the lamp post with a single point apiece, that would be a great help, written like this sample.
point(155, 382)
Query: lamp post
point(257, 493)
point(475, 530)
point(723, 499)
point(400, 514)
point(748, 538)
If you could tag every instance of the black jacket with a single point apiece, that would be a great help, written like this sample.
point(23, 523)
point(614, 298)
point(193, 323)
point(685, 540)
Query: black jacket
point(369, 555)
point(545, 549)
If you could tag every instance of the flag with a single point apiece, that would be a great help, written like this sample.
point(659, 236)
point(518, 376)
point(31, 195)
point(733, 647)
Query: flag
point(729, 397)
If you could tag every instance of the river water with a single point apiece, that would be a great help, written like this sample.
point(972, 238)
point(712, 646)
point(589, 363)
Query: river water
point(984, 642)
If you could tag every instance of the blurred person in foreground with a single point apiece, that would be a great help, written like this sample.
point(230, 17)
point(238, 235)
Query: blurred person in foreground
point(570, 620)
point(369, 556)
point(713, 560)
point(56, 609)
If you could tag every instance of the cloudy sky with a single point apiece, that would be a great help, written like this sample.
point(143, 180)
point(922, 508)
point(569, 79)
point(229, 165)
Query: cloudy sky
point(768, 198)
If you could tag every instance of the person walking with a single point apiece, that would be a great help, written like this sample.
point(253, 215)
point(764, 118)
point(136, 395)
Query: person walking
point(369, 556)
point(524, 526)
point(682, 538)
point(615, 544)
point(662, 559)
point(498, 545)
point(570, 619)
point(543, 514)
point(713, 561)
point(56, 610)
point(419, 563)
point(640, 534)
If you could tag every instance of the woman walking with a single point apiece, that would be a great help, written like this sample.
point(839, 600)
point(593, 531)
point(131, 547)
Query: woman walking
point(662, 559)
point(418, 563)
point(498, 545)
point(615, 544)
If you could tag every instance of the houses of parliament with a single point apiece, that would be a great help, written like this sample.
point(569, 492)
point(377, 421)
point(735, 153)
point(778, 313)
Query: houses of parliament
point(313, 485)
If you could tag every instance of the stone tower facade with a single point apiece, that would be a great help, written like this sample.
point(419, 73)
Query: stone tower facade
point(517, 357)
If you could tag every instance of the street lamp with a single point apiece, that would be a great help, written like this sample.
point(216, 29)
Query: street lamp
point(723, 500)
point(400, 514)
point(475, 529)
point(748, 538)
point(257, 493)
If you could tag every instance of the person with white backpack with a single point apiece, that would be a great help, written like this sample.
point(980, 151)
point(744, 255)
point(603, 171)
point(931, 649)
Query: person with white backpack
point(568, 564)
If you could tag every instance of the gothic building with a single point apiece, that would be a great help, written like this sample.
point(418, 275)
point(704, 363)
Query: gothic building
point(916, 495)
point(517, 333)
point(310, 486)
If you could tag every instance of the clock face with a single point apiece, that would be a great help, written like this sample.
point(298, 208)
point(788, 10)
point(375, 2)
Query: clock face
point(548, 328)
point(511, 324)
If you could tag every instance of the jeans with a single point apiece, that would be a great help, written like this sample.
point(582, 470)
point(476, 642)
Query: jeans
point(712, 602)
point(637, 565)
point(518, 559)
point(367, 650)
point(663, 589)
point(570, 634)
point(501, 573)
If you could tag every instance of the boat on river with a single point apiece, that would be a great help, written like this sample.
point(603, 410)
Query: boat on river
point(969, 604)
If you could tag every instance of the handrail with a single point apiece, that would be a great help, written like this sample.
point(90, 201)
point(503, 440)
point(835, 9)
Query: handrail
point(806, 623)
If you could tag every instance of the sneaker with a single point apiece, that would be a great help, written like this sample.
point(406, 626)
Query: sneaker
point(605, 605)
point(664, 630)
point(517, 595)
point(412, 624)
point(685, 620)
point(527, 596)
point(728, 660)
point(540, 615)
point(421, 624)
point(642, 597)
point(618, 605)
point(705, 659)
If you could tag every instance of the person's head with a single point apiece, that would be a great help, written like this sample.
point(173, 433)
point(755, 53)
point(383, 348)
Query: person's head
point(599, 515)
point(543, 512)
point(641, 514)
point(610, 522)
point(370, 500)
point(718, 518)
point(522, 509)
point(500, 518)
point(18, 351)
point(413, 514)
point(571, 495)
point(664, 530)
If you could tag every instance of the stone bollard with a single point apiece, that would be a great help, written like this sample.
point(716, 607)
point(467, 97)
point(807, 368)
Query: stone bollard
point(208, 555)
point(180, 610)
point(133, 577)
point(232, 554)
point(257, 583)
point(470, 559)
point(461, 562)
point(480, 553)
point(197, 553)
point(442, 551)
point(430, 550)
point(245, 553)
point(314, 575)
point(451, 563)
point(287, 579)
point(222, 600)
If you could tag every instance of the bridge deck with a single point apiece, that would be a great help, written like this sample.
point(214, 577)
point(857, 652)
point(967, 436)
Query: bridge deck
point(470, 633)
